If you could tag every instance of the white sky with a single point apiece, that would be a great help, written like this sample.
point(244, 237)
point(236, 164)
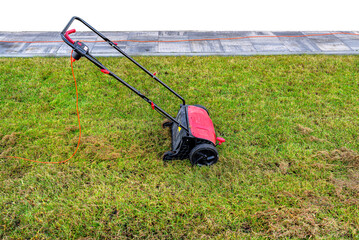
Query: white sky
point(134, 15)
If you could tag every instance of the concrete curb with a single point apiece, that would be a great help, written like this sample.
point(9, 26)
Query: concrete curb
point(49, 44)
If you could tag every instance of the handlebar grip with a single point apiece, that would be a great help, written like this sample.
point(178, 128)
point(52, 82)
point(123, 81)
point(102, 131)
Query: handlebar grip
point(68, 37)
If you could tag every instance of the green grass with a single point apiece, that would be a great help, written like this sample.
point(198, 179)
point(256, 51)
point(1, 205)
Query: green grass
point(289, 167)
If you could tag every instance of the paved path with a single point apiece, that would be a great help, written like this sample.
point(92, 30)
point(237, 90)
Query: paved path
point(160, 43)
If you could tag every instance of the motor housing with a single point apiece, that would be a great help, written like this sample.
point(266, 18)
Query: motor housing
point(199, 143)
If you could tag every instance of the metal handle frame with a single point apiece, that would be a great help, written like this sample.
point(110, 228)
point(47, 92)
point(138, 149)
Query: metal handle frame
point(65, 37)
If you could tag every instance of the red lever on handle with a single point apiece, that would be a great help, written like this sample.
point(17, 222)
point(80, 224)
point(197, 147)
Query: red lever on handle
point(68, 37)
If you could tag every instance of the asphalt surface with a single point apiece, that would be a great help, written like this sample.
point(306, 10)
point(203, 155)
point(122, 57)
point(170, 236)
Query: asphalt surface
point(189, 43)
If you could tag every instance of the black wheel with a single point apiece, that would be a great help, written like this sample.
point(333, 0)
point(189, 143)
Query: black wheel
point(167, 123)
point(203, 155)
point(203, 107)
point(168, 156)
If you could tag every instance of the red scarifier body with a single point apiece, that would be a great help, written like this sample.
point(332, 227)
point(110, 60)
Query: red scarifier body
point(200, 124)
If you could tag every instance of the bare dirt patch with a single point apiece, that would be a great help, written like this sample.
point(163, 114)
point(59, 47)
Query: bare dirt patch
point(297, 223)
point(94, 147)
point(284, 166)
point(347, 188)
point(6, 152)
point(345, 155)
point(7, 144)
point(304, 130)
point(313, 199)
point(9, 140)
point(315, 139)
point(72, 128)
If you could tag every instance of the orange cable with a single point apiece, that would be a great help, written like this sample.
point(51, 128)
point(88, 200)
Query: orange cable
point(78, 117)
point(201, 39)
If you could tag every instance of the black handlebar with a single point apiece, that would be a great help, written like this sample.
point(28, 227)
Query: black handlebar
point(66, 38)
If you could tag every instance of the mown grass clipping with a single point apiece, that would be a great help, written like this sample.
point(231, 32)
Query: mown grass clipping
point(289, 167)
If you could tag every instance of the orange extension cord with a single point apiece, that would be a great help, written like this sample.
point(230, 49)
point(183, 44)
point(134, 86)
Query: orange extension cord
point(203, 39)
point(78, 117)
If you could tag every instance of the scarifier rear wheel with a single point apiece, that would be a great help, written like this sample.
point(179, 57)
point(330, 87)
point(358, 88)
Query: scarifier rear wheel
point(167, 123)
point(168, 156)
point(203, 155)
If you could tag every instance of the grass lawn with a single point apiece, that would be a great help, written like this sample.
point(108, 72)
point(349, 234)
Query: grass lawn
point(289, 167)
